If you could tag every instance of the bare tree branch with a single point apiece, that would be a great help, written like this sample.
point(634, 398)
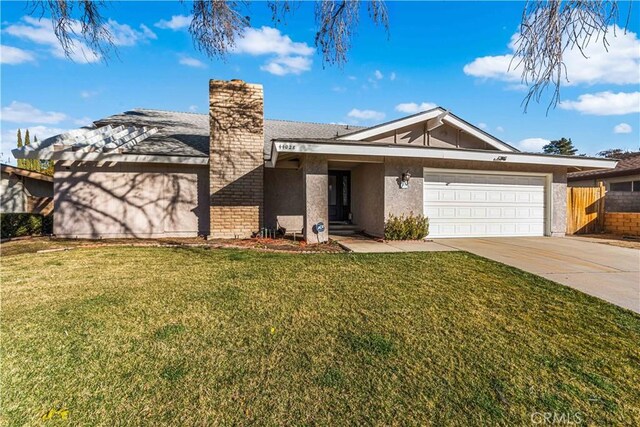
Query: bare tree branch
point(215, 26)
point(547, 30)
point(337, 22)
point(77, 19)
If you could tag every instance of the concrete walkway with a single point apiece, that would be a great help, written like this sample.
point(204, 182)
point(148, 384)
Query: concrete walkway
point(362, 244)
point(608, 272)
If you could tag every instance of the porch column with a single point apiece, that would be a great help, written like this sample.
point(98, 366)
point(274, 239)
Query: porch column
point(316, 189)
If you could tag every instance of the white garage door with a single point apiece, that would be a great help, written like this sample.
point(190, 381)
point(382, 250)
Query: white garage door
point(478, 204)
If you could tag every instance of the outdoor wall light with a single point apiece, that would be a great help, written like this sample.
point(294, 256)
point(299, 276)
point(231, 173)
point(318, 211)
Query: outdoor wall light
point(404, 182)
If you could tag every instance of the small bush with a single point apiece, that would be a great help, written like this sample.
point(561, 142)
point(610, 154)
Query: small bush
point(24, 224)
point(410, 227)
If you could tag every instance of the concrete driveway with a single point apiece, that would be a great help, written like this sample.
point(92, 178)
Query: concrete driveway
point(608, 272)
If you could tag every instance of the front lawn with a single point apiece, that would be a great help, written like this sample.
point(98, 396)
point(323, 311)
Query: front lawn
point(192, 336)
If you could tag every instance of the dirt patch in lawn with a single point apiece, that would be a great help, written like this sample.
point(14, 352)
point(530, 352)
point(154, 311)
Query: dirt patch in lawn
point(52, 244)
point(612, 239)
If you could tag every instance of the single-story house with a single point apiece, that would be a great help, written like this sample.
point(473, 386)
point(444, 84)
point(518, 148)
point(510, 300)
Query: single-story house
point(622, 183)
point(228, 174)
point(25, 191)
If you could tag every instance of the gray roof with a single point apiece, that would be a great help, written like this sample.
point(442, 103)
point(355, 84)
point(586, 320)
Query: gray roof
point(187, 134)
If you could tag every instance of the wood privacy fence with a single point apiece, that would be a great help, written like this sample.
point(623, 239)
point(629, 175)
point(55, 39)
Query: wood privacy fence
point(585, 209)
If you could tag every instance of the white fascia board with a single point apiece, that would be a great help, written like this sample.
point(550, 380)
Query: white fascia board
point(82, 156)
point(436, 153)
point(411, 120)
point(454, 121)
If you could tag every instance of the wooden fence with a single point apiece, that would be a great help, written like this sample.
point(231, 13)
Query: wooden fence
point(585, 209)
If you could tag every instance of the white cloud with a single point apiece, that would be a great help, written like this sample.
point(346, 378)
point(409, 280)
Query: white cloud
point(532, 144)
point(267, 40)
point(88, 93)
point(83, 121)
point(412, 107)
point(13, 55)
point(40, 31)
point(21, 112)
point(10, 139)
point(288, 57)
point(482, 125)
point(499, 129)
point(339, 89)
point(177, 22)
point(352, 78)
point(392, 76)
point(622, 128)
point(605, 103)
point(124, 35)
point(619, 63)
point(192, 62)
point(193, 108)
point(378, 75)
point(283, 65)
point(366, 114)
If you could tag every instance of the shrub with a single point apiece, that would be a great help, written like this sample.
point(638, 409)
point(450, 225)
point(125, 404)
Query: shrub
point(24, 224)
point(410, 227)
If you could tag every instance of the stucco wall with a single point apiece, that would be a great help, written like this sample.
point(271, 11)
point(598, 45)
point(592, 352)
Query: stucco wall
point(283, 194)
point(12, 195)
point(367, 196)
point(399, 201)
point(315, 187)
point(130, 200)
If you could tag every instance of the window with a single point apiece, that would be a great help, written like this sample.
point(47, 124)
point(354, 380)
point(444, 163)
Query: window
point(636, 186)
point(621, 186)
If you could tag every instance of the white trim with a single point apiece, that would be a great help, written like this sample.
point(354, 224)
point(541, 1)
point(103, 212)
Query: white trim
point(437, 113)
point(498, 157)
point(473, 131)
point(408, 121)
point(548, 190)
point(125, 158)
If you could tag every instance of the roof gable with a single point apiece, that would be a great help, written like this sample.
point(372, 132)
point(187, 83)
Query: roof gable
point(430, 119)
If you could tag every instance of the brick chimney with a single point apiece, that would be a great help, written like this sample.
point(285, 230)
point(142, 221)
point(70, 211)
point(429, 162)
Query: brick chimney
point(236, 159)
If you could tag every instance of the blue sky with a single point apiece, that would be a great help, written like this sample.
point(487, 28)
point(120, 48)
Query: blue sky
point(453, 54)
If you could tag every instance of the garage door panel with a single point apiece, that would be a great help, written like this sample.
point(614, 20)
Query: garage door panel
point(480, 204)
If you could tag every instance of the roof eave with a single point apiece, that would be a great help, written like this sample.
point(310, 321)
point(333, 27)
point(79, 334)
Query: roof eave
point(340, 148)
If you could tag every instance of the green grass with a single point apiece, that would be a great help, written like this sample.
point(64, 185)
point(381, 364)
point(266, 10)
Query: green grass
point(173, 336)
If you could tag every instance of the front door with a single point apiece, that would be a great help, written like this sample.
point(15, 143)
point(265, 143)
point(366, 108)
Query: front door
point(339, 195)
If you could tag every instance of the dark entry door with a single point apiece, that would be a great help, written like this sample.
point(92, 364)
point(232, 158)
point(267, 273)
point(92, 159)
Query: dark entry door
point(339, 195)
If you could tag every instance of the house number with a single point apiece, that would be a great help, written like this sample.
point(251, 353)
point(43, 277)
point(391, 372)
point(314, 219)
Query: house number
point(286, 146)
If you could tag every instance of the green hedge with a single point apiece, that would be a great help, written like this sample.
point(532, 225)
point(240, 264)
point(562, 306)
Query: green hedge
point(411, 227)
point(25, 224)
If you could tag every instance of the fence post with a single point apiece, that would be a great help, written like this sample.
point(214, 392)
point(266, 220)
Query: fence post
point(601, 206)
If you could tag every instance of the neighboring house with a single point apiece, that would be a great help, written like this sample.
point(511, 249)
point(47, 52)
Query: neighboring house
point(228, 174)
point(25, 191)
point(621, 183)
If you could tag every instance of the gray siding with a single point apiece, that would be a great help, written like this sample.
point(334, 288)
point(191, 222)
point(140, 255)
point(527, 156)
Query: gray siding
point(130, 200)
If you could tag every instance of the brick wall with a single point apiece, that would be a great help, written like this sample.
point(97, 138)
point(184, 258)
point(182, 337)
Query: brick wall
point(622, 201)
point(623, 223)
point(236, 166)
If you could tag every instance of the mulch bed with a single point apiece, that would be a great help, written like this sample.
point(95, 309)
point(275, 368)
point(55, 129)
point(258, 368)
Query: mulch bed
point(52, 244)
